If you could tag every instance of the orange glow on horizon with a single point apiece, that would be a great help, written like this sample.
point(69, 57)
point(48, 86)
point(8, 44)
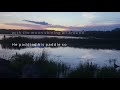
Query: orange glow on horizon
point(4, 26)
point(56, 29)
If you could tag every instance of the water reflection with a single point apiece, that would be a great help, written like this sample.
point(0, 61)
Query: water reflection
point(69, 55)
point(73, 54)
point(38, 36)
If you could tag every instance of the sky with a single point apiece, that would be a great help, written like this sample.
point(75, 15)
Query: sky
point(60, 21)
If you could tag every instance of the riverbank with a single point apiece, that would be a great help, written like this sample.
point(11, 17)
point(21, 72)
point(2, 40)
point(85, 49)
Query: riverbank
point(28, 66)
point(76, 43)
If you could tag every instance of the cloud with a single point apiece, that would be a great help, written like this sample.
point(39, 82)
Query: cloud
point(9, 26)
point(10, 14)
point(89, 27)
point(35, 22)
point(32, 26)
point(38, 27)
point(102, 27)
point(7, 14)
point(89, 15)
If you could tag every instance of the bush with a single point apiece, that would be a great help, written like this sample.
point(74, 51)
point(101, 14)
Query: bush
point(51, 68)
point(19, 61)
point(54, 69)
point(86, 70)
point(108, 72)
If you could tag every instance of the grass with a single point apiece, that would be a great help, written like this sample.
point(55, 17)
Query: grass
point(51, 68)
point(19, 61)
point(89, 70)
point(84, 70)
point(77, 43)
point(54, 69)
point(108, 72)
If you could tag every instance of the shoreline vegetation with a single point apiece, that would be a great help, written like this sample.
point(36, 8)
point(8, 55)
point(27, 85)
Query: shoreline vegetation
point(27, 66)
point(91, 39)
point(113, 34)
point(76, 43)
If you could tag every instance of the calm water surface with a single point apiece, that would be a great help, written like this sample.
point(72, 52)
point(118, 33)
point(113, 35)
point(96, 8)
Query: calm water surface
point(37, 36)
point(68, 55)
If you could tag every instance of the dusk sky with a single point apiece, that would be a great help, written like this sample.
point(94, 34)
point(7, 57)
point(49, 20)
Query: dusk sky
point(74, 21)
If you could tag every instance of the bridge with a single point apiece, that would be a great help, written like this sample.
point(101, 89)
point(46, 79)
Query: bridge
point(46, 32)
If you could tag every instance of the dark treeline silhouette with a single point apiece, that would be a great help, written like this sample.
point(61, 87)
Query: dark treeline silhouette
point(40, 32)
point(96, 40)
point(9, 31)
point(113, 34)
